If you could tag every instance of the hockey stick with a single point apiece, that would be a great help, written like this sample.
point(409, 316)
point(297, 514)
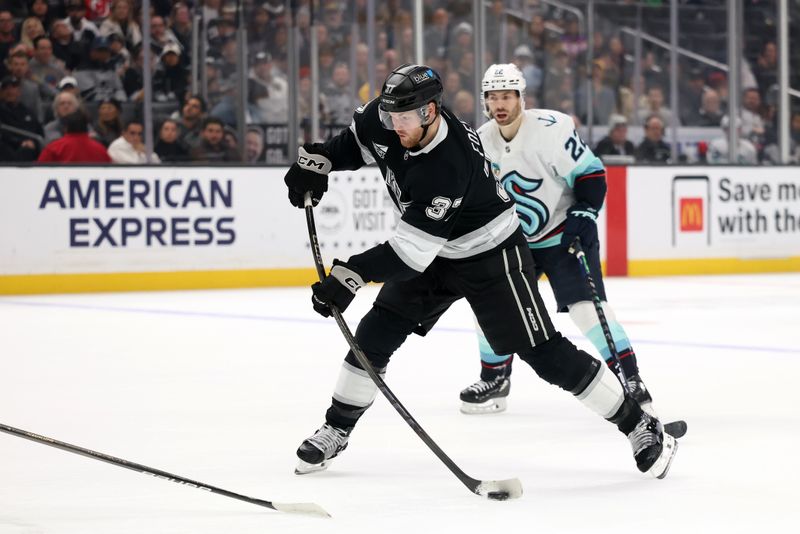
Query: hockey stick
point(676, 429)
point(498, 490)
point(292, 508)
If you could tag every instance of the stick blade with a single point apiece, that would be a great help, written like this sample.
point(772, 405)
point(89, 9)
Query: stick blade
point(301, 508)
point(500, 490)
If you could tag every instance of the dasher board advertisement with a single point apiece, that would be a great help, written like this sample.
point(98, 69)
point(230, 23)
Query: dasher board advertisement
point(207, 224)
point(713, 212)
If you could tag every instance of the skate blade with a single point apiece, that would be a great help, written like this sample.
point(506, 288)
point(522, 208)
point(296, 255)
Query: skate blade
point(664, 462)
point(305, 468)
point(479, 408)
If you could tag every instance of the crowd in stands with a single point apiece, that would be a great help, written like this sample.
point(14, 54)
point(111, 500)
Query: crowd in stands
point(61, 59)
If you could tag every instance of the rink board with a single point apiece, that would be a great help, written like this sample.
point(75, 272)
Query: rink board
point(72, 229)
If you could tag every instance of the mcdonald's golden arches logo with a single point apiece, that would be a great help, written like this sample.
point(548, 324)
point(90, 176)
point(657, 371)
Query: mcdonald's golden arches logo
point(691, 213)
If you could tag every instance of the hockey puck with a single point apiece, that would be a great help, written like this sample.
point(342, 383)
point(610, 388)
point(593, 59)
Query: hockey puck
point(676, 429)
point(498, 495)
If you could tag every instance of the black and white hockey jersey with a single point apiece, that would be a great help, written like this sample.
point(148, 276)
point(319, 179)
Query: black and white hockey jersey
point(451, 204)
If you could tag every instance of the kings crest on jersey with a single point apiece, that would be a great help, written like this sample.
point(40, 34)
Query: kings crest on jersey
point(539, 168)
point(450, 203)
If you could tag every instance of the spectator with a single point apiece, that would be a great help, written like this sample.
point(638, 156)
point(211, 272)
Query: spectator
point(523, 58)
point(752, 123)
point(171, 78)
point(133, 79)
point(304, 108)
point(64, 104)
point(616, 143)
point(604, 101)
point(99, 9)
point(169, 147)
point(691, 97)
point(573, 41)
point(120, 56)
point(75, 146)
point(212, 147)
point(459, 42)
point(41, 10)
point(558, 80)
point(82, 28)
point(45, 70)
point(452, 85)
point(31, 29)
point(121, 21)
point(13, 149)
point(129, 148)
point(30, 93)
point(191, 120)
point(7, 35)
point(181, 26)
point(161, 36)
point(341, 102)
point(654, 105)
point(464, 106)
point(766, 69)
point(108, 126)
point(772, 151)
point(96, 77)
point(65, 47)
point(718, 148)
point(272, 106)
point(15, 114)
point(254, 148)
point(435, 37)
point(711, 110)
point(465, 68)
point(381, 72)
point(69, 84)
point(653, 149)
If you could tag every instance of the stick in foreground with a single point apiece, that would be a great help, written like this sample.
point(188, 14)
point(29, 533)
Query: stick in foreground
point(292, 508)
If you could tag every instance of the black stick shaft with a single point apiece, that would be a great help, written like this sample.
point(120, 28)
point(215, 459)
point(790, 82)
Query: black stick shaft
point(576, 249)
point(119, 462)
point(468, 481)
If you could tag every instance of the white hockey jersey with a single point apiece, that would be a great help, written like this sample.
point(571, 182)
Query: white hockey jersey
point(538, 168)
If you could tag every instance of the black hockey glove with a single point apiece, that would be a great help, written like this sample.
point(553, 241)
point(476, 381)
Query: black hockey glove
point(309, 173)
point(581, 222)
point(337, 289)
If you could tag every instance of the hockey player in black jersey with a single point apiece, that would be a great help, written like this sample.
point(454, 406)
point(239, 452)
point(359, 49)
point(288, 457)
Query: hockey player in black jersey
point(458, 236)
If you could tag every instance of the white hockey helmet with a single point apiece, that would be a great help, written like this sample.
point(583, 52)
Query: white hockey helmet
point(502, 77)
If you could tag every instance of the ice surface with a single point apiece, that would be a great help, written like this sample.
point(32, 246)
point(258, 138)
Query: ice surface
point(222, 386)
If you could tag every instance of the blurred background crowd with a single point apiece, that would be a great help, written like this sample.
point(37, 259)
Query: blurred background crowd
point(72, 73)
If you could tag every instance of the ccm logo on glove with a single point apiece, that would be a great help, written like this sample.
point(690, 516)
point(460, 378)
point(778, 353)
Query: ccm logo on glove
point(314, 162)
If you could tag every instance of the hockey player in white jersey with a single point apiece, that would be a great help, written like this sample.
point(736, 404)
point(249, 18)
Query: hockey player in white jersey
point(559, 186)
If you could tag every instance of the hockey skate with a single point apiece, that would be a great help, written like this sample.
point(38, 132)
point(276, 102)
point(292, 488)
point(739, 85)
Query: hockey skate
point(653, 448)
point(486, 396)
point(641, 394)
point(316, 452)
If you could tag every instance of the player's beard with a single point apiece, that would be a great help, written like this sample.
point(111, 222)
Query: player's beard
point(410, 138)
point(508, 115)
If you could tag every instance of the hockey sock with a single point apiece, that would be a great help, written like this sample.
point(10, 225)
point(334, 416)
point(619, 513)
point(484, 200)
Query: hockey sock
point(354, 393)
point(379, 334)
point(559, 362)
point(585, 317)
point(492, 365)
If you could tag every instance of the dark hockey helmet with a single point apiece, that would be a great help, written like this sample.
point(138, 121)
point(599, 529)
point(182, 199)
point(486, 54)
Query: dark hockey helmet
point(408, 88)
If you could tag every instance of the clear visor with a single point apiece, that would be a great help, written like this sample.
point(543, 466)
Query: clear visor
point(404, 120)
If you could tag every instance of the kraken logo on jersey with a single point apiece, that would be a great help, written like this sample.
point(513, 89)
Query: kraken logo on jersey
point(533, 214)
